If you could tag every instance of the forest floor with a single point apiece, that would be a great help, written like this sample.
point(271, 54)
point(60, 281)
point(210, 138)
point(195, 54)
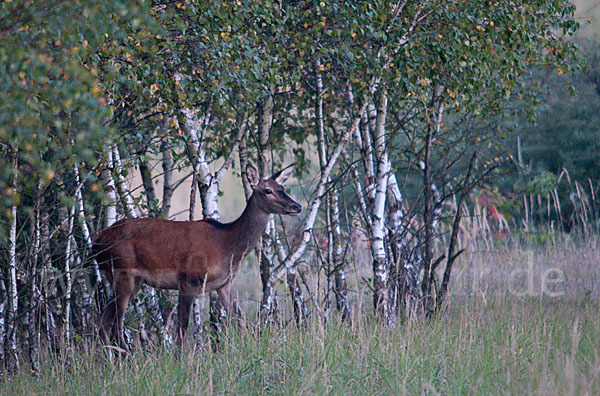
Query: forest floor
point(523, 318)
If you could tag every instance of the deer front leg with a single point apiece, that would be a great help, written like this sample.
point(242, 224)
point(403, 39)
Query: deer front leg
point(187, 293)
point(126, 286)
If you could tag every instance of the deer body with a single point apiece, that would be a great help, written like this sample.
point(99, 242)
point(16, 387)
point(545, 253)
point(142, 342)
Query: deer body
point(190, 256)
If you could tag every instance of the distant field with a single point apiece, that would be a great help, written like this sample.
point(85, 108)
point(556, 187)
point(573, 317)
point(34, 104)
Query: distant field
point(498, 337)
point(588, 13)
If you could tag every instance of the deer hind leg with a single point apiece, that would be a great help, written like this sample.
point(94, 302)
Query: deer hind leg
point(188, 288)
point(107, 322)
point(126, 286)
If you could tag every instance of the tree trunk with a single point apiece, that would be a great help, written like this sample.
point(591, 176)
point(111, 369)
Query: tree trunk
point(122, 188)
point(3, 314)
point(339, 265)
point(404, 269)
point(269, 307)
point(148, 183)
point(47, 282)
point(167, 165)
point(430, 216)
point(11, 318)
point(68, 280)
point(380, 263)
point(110, 191)
point(101, 287)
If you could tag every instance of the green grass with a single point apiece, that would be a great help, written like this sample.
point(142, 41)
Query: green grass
point(507, 346)
point(501, 334)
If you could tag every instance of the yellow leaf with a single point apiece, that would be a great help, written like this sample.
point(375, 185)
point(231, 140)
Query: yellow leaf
point(85, 43)
point(68, 103)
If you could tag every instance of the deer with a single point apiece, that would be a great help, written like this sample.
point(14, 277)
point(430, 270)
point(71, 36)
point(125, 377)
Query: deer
point(188, 256)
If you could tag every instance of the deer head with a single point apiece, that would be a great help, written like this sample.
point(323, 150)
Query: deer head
point(270, 194)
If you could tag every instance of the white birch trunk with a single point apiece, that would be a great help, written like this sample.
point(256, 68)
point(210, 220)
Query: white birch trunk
point(298, 302)
point(12, 272)
point(122, 188)
point(68, 280)
point(269, 308)
point(85, 229)
point(380, 263)
point(110, 190)
point(404, 285)
point(46, 283)
point(340, 289)
point(3, 313)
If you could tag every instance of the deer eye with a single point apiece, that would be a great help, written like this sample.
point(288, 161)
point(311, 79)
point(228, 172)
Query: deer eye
point(268, 191)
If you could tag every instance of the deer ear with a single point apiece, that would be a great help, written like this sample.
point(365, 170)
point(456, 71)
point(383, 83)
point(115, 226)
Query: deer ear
point(252, 175)
point(281, 176)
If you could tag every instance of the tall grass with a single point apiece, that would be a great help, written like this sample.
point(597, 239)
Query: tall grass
point(491, 340)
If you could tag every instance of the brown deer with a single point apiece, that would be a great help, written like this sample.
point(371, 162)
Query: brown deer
point(190, 256)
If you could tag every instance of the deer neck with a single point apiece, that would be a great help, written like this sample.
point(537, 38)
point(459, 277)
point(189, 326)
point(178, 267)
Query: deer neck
point(247, 229)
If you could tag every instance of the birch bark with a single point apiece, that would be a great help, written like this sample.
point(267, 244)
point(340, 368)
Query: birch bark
point(378, 250)
point(110, 190)
point(101, 287)
point(68, 279)
point(11, 317)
